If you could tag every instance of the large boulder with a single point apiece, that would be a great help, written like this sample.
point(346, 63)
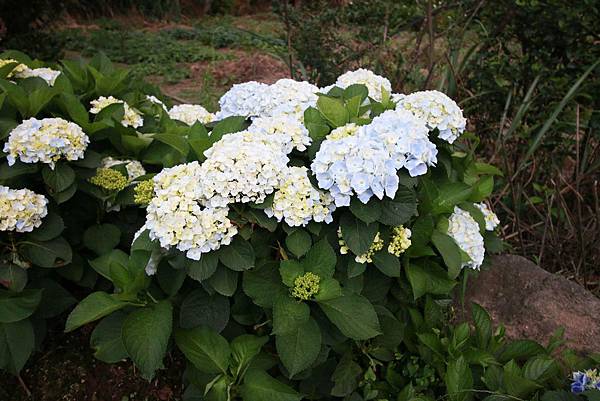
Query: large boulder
point(533, 303)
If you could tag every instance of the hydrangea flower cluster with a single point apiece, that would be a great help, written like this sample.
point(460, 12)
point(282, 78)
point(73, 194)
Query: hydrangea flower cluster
point(586, 380)
point(297, 202)
point(47, 74)
point(191, 113)
point(131, 117)
point(176, 217)
point(242, 167)
point(46, 140)
point(438, 111)
point(374, 83)
point(406, 139)
point(250, 99)
point(400, 240)
point(292, 97)
point(134, 168)
point(358, 164)
point(288, 131)
point(464, 230)
point(16, 70)
point(491, 220)
point(344, 131)
point(306, 286)
point(21, 210)
point(367, 257)
point(109, 179)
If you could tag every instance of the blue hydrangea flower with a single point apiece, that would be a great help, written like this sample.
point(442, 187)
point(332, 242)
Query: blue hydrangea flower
point(586, 380)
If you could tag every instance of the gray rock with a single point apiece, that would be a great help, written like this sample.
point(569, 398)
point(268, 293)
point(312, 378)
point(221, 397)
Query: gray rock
point(533, 303)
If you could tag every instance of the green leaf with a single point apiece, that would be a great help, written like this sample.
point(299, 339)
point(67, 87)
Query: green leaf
point(238, 256)
point(298, 242)
point(345, 376)
point(53, 253)
point(55, 298)
point(226, 126)
point(200, 309)
point(174, 141)
point(204, 268)
point(13, 277)
point(367, 212)
point(52, 226)
point(357, 235)
point(563, 396)
point(102, 238)
point(289, 270)
point(207, 350)
point(16, 170)
point(289, 314)
point(520, 350)
point(518, 386)
point(243, 350)
point(262, 284)
point(328, 289)
point(459, 380)
point(428, 279)
point(540, 368)
point(356, 90)
point(333, 110)
point(102, 264)
point(387, 263)
point(399, 210)
point(146, 333)
point(60, 178)
point(450, 252)
point(483, 325)
point(315, 124)
point(320, 260)
point(450, 194)
point(259, 386)
point(106, 339)
point(224, 281)
point(18, 306)
point(16, 345)
point(39, 98)
point(93, 307)
point(299, 348)
point(353, 315)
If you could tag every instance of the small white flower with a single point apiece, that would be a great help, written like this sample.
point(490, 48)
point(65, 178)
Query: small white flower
point(157, 101)
point(292, 98)
point(374, 83)
point(284, 129)
point(47, 74)
point(297, 202)
point(464, 230)
point(131, 117)
point(19, 68)
point(134, 168)
point(21, 210)
point(491, 220)
point(343, 132)
point(191, 113)
point(250, 99)
point(45, 141)
point(438, 111)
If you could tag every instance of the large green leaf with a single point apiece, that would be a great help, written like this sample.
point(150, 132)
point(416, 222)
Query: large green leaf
point(345, 376)
point(102, 238)
point(201, 309)
point(106, 339)
point(289, 314)
point(520, 350)
point(238, 256)
point(262, 284)
point(299, 348)
point(146, 333)
point(320, 260)
point(450, 252)
point(54, 253)
point(204, 268)
point(224, 281)
point(59, 178)
point(93, 307)
point(387, 263)
point(353, 315)
point(206, 349)
point(259, 386)
point(429, 279)
point(459, 380)
point(358, 235)
point(399, 210)
point(18, 306)
point(243, 350)
point(333, 110)
point(16, 345)
point(298, 242)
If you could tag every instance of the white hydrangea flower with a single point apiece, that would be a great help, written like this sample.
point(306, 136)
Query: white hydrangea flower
point(21, 210)
point(134, 168)
point(131, 117)
point(463, 228)
point(242, 167)
point(400, 240)
point(374, 83)
point(176, 216)
point(344, 131)
point(292, 97)
point(19, 68)
point(46, 140)
point(297, 202)
point(249, 99)
point(47, 74)
point(358, 164)
point(284, 129)
point(405, 137)
point(396, 97)
point(438, 111)
point(491, 220)
point(155, 100)
point(326, 89)
point(366, 257)
point(191, 113)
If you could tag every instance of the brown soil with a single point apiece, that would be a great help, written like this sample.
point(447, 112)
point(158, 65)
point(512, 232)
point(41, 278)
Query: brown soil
point(66, 370)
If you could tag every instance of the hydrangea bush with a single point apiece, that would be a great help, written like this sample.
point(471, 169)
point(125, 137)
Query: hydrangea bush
point(299, 243)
